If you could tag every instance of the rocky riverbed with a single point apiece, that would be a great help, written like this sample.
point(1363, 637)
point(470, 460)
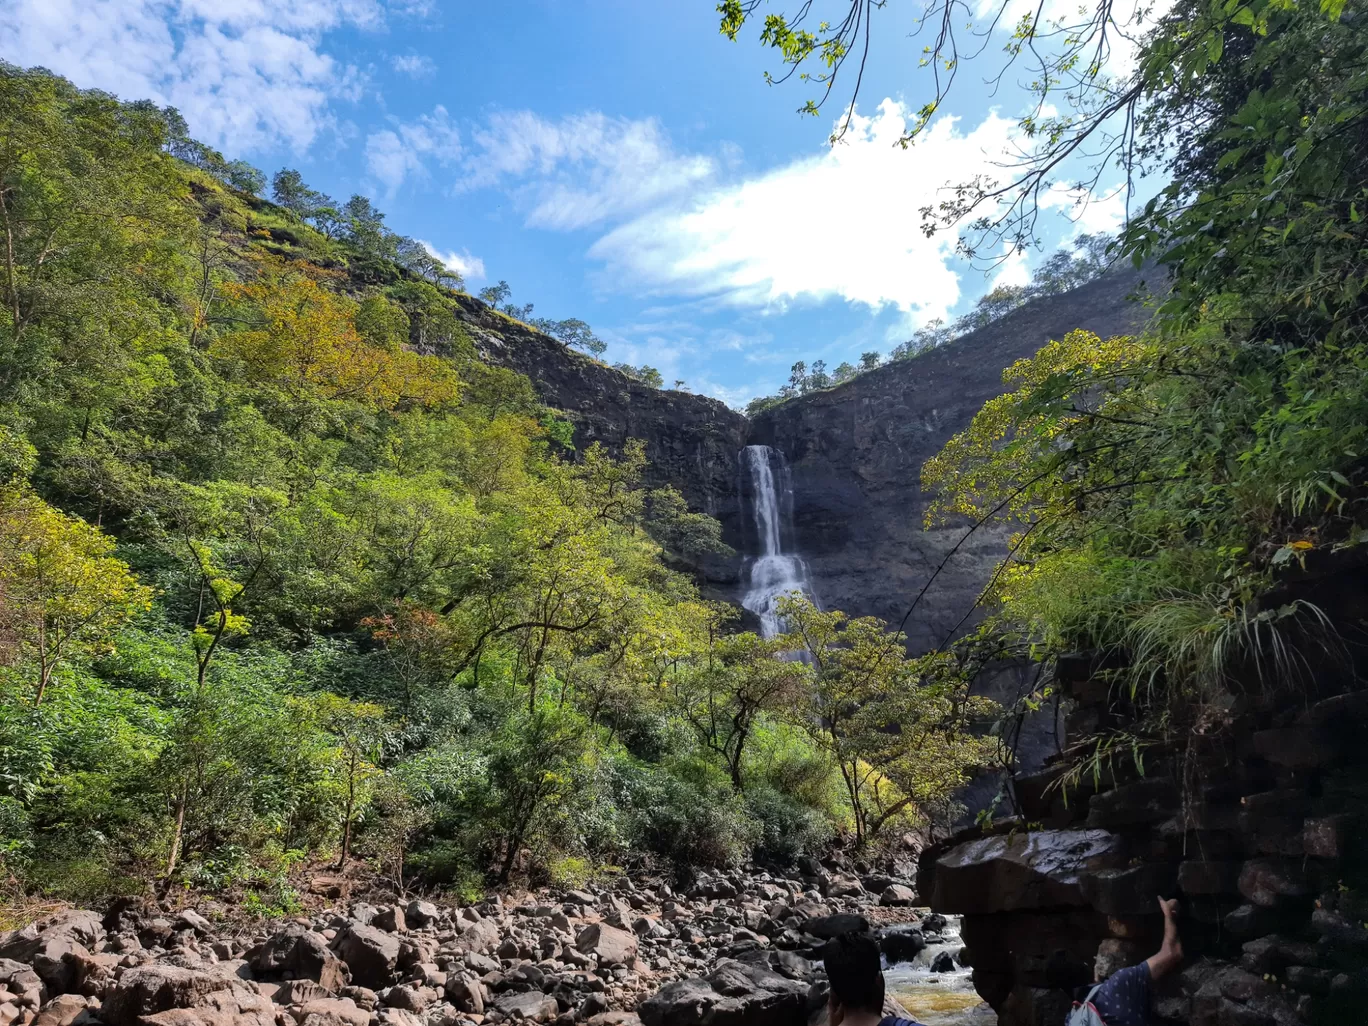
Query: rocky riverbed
point(734, 949)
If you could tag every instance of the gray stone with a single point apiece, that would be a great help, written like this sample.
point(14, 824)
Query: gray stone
point(299, 951)
point(1272, 882)
point(332, 1012)
point(466, 994)
point(145, 993)
point(1007, 872)
point(607, 943)
point(531, 1005)
point(898, 896)
point(422, 913)
point(370, 954)
point(734, 993)
point(826, 927)
point(901, 942)
point(481, 937)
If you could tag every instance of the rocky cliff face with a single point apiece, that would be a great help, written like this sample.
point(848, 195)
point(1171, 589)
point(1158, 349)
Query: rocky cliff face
point(856, 454)
point(692, 440)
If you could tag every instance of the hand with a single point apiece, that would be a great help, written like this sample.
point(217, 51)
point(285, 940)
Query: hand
point(1169, 908)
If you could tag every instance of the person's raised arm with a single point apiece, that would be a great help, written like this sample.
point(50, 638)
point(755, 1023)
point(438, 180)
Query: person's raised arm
point(1170, 954)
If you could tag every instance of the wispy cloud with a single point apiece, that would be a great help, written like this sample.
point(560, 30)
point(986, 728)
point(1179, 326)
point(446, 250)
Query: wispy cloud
point(414, 65)
point(469, 267)
point(397, 153)
point(580, 171)
point(251, 74)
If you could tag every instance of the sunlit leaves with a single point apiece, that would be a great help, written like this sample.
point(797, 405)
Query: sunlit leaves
point(61, 590)
point(307, 346)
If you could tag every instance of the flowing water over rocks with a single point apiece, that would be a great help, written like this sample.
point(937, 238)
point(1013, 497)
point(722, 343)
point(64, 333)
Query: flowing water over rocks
point(776, 570)
point(934, 994)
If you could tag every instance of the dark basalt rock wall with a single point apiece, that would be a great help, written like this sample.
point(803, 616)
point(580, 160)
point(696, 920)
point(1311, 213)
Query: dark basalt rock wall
point(1259, 829)
point(691, 440)
point(856, 454)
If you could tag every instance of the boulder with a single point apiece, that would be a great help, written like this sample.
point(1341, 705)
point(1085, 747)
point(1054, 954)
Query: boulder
point(1115, 954)
point(46, 944)
point(466, 994)
point(732, 994)
point(422, 913)
point(713, 888)
point(532, 1005)
point(391, 919)
point(481, 937)
point(1333, 837)
point(842, 886)
point(944, 962)
point(370, 954)
point(901, 943)
point(898, 896)
point(62, 1010)
point(332, 1012)
point(1272, 882)
point(407, 997)
point(299, 951)
point(21, 981)
point(190, 919)
point(1007, 872)
point(1200, 877)
point(152, 993)
point(1302, 747)
point(608, 944)
point(1274, 953)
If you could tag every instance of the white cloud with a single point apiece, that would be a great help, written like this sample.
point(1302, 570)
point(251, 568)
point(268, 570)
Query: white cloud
point(393, 154)
point(844, 224)
point(1090, 213)
point(467, 266)
point(245, 74)
point(414, 65)
point(581, 170)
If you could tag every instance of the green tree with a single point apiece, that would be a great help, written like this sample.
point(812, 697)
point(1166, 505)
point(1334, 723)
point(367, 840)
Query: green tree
point(742, 678)
point(60, 589)
point(901, 739)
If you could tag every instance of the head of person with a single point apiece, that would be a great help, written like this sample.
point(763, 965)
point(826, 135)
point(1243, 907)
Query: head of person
point(856, 976)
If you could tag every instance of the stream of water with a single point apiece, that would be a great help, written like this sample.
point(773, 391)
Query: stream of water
point(776, 571)
point(938, 999)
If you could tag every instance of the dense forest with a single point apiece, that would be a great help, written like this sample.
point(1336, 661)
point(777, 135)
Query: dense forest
point(290, 576)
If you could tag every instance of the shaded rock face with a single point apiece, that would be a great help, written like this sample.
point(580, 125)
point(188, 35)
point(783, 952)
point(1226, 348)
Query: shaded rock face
point(856, 452)
point(1267, 850)
point(691, 440)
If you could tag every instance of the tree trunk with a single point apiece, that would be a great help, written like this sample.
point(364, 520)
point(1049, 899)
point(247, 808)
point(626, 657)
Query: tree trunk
point(347, 820)
point(180, 831)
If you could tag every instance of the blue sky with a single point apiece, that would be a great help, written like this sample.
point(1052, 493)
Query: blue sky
point(613, 160)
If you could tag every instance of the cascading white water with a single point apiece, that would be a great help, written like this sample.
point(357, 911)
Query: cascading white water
point(773, 573)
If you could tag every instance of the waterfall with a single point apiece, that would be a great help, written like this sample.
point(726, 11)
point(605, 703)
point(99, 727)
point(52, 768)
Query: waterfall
point(772, 573)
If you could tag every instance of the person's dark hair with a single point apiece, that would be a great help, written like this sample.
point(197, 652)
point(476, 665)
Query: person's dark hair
point(852, 966)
